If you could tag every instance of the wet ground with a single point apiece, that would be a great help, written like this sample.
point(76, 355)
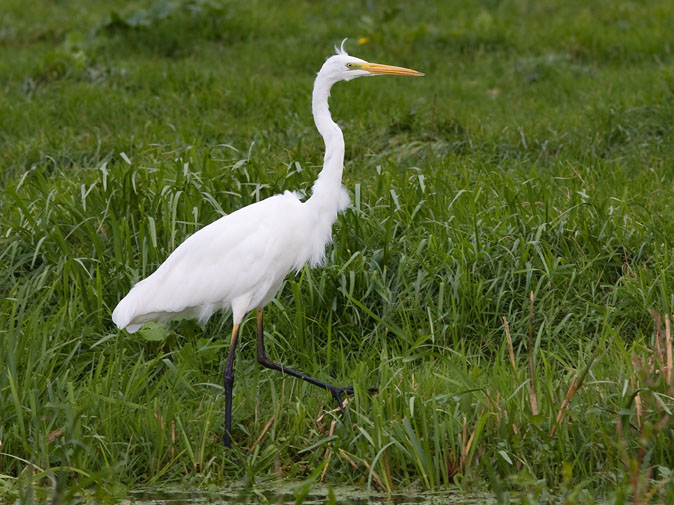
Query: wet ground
point(290, 494)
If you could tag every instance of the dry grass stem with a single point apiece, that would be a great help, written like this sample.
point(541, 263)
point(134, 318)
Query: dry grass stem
point(328, 450)
point(262, 433)
point(378, 482)
point(511, 351)
point(464, 436)
point(532, 390)
point(668, 344)
point(567, 398)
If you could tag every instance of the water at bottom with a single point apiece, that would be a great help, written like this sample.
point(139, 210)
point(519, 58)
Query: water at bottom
point(298, 493)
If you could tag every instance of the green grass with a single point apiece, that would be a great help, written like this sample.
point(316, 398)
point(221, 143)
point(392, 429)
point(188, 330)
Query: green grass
point(533, 162)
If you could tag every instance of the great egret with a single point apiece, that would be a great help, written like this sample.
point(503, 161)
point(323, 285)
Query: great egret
point(240, 260)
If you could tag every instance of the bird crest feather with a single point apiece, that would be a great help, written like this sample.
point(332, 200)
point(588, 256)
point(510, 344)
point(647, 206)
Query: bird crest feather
point(340, 50)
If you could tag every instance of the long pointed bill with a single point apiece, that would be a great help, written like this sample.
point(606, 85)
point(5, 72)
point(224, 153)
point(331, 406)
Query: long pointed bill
point(376, 68)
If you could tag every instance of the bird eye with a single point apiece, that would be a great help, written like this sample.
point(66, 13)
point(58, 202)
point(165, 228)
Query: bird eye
point(349, 66)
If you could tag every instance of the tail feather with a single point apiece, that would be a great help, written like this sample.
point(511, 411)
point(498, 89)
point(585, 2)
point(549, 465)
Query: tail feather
point(124, 313)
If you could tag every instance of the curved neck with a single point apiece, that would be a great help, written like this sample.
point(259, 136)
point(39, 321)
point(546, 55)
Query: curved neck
point(326, 191)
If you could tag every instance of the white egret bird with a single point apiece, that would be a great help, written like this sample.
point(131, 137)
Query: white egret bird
point(240, 260)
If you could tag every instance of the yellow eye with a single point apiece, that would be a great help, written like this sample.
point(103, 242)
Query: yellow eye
point(350, 66)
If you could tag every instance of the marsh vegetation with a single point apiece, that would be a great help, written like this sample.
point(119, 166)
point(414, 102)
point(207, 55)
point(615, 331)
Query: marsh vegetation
point(504, 276)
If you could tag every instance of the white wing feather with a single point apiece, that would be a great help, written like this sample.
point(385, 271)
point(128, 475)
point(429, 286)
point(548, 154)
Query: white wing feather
point(237, 261)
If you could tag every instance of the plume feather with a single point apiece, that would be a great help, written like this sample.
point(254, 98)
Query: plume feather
point(340, 50)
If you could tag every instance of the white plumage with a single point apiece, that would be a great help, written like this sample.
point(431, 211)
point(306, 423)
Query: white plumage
point(240, 260)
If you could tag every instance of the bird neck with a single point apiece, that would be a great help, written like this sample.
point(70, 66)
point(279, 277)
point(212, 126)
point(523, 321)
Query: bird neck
point(326, 192)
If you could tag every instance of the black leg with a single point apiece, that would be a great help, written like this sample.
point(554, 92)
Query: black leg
point(229, 385)
point(335, 391)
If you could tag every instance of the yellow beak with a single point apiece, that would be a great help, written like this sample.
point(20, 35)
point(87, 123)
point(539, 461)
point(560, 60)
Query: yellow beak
point(376, 68)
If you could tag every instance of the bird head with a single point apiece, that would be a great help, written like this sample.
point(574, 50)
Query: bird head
point(343, 67)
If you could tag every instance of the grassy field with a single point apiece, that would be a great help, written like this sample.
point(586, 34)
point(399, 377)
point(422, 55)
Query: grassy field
point(503, 276)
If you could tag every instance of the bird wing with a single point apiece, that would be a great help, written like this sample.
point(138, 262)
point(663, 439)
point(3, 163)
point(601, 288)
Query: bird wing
point(243, 254)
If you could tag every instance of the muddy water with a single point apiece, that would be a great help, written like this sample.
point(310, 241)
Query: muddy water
point(300, 493)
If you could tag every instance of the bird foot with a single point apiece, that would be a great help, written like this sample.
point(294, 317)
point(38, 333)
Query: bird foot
point(348, 390)
point(337, 395)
